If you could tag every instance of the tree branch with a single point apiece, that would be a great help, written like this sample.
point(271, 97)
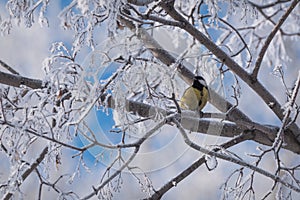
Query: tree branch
point(291, 103)
point(270, 38)
point(6, 66)
point(200, 125)
point(137, 145)
point(44, 137)
point(269, 4)
point(188, 171)
point(17, 80)
point(234, 160)
point(141, 2)
point(30, 170)
point(262, 134)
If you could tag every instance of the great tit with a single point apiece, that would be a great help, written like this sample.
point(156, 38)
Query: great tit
point(196, 96)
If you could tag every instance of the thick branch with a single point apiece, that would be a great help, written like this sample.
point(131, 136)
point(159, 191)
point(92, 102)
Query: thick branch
point(262, 134)
point(140, 2)
point(17, 81)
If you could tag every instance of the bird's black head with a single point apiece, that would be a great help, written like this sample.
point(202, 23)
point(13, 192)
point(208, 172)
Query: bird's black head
point(199, 82)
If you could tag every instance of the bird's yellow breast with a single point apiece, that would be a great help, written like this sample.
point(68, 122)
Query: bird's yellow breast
point(194, 99)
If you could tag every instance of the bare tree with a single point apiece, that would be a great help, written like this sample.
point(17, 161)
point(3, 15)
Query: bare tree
point(133, 79)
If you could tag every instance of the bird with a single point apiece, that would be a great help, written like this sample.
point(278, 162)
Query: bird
point(195, 96)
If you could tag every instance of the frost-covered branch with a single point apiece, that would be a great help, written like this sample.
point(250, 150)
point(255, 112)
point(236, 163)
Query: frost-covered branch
point(270, 38)
point(286, 119)
point(141, 2)
point(268, 5)
point(32, 167)
point(44, 137)
point(263, 134)
point(234, 160)
point(136, 147)
point(189, 170)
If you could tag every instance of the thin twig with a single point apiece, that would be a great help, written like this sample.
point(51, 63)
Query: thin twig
point(28, 171)
point(270, 38)
point(269, 4)
point(136, 146)
point(47, 138)
point(188, 171)
point(10, 69)
point(286, 119)
point(233, 159)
